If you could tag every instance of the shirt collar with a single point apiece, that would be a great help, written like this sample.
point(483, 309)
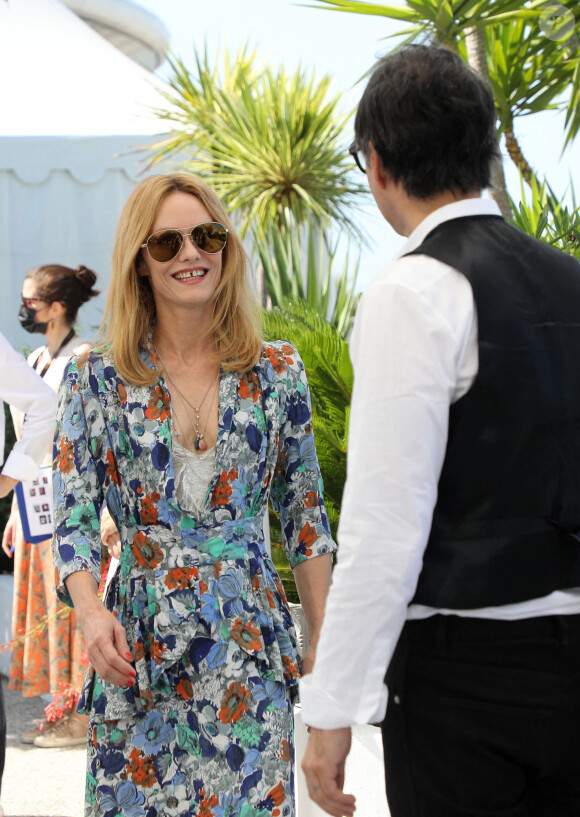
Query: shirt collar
point(458, 209)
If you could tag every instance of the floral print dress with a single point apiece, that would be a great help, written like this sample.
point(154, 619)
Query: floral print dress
point(206, 731)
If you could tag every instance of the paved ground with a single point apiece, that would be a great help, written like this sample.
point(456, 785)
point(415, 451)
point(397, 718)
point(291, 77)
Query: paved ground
point(38, 782)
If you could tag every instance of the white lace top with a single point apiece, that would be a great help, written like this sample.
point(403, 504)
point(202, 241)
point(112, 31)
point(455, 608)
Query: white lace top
point(193, 473)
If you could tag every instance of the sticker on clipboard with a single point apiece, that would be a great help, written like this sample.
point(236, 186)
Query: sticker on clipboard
point(34, 499)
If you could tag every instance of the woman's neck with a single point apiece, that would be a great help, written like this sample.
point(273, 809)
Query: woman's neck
point(55, 336)
point(185, 341)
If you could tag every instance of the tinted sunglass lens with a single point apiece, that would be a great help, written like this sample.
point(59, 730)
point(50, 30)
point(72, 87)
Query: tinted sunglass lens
point(210, 237)
point(165, 245)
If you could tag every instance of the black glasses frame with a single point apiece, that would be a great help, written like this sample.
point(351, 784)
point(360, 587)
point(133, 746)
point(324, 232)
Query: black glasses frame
point(188, 233)
point(354, 152)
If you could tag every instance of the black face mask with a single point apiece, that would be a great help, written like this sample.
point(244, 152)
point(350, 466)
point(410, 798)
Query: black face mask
point(26, 316)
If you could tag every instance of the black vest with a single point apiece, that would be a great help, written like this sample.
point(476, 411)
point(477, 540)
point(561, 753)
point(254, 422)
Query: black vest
point(506, 526)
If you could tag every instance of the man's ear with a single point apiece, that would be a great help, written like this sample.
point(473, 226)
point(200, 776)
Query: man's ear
point(381, 177)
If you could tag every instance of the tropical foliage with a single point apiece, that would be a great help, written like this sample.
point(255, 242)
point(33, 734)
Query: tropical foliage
point(301, 264)
point(542, 215)
point(271, 143)
point(528, 50)
point(329, 371)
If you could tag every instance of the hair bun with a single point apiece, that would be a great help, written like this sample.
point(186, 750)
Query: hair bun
point(86, 276)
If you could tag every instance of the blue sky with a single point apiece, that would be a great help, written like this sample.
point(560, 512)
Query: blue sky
point(344, 46)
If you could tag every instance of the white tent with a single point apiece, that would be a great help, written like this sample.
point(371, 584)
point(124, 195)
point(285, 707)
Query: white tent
point(74, 111)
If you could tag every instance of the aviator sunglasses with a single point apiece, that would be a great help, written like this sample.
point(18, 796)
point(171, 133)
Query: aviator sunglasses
point(164, 245)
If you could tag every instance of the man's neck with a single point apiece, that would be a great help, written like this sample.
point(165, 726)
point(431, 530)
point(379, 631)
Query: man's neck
point(413, 211)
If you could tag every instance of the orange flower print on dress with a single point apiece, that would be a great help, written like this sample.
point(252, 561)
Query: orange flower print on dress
point(157, 651)
point(311, 500)
point(65, 456)
point(223, 490)
point(234, 703)
point(207, 804)
point(285, 753)
point(158, 406)
point(185, 689)
point(250, 386)
point(247, 636)
point(180, 577)
point(290, 668)
point(147, 553)
point(277, 794)
point(122, 392)
point(112, 469)
point(280, 358)
point(141, 769)
point(307, 537)
point(149, 512)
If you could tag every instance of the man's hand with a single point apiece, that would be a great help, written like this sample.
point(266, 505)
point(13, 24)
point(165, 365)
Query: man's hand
point(6, 485)
point(323, 766)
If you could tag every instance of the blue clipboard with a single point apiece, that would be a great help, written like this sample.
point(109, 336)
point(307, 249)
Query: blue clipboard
point(35, 504)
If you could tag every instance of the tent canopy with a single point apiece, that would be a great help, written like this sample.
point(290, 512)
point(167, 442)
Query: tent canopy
point(74, 112)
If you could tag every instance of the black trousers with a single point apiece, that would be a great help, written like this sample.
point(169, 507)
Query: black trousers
point(484, 719)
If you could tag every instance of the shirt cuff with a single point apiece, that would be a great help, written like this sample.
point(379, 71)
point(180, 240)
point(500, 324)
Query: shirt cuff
point(20, 466)
point(323, 711)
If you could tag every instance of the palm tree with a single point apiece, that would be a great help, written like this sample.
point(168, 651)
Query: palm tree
point(530, 62)
point(272, 144)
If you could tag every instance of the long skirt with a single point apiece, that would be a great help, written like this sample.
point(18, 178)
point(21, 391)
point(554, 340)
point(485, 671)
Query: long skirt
point(48, 653)
point(218, 744)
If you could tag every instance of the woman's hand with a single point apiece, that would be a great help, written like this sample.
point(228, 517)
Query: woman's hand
point(10, 533)
point(110, 535)
point(107, 647)
point(105, 637)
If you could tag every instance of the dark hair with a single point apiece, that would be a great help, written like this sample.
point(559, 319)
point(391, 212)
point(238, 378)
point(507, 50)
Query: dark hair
point(431, 120)
point(70, 287)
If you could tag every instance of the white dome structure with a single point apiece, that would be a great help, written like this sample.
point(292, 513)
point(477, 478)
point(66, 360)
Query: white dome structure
point(132, 30)
point(75, 110)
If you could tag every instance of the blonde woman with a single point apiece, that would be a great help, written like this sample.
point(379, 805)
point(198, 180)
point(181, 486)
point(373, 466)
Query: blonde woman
point(185, 425)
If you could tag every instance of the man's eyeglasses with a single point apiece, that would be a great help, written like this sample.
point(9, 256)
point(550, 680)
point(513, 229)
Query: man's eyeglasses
point(164, 245)
point(358, 156)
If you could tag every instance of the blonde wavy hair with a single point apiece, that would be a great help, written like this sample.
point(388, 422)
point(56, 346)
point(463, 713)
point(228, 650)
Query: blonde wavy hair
point(130, 308)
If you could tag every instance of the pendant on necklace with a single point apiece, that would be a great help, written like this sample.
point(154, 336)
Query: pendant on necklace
point(200, 444)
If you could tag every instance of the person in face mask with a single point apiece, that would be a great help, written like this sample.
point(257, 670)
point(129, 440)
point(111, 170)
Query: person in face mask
point(53, 660)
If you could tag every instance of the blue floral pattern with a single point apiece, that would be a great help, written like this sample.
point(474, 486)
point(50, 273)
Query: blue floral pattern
point(207, 728)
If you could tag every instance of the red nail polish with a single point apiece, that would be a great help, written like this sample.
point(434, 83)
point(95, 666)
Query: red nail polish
point(131, 683)
point(128, 656)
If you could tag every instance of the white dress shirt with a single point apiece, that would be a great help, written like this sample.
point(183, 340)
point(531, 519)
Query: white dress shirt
point(22, 387)
point(415, 352)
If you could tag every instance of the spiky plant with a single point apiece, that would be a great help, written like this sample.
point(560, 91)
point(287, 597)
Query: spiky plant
point(329, 370)
point(302, 264)
point(268, 142)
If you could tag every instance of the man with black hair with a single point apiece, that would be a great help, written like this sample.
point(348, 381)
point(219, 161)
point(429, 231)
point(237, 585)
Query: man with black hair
point(459, 544)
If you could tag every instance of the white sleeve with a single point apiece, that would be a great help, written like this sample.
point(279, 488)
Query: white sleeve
point(22, 387)
point(408, 350)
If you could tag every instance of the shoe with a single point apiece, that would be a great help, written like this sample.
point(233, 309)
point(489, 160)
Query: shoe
point(39, 728)
point(69, 731)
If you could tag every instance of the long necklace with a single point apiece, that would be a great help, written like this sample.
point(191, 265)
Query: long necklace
point(200, 443)
point(51, 358)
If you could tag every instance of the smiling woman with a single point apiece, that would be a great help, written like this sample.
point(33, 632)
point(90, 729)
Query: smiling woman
point(185, 423)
